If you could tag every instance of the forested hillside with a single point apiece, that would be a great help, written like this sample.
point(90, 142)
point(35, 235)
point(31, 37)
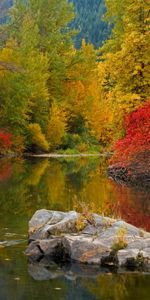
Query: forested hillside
point(58, 98)
point(89, 22)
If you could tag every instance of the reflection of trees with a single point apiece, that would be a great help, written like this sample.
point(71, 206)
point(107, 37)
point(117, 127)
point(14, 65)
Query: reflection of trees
point(37, 171)
point(119, 286)
point(13, 264)
point(78, 171)
point(87, 183)
point(132, 205)
point(128, 286)
point(28, 185)
point(53, 184)
point(5, 170)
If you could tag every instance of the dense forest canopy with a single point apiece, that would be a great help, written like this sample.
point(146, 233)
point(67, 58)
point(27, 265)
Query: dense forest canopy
point(57, 97)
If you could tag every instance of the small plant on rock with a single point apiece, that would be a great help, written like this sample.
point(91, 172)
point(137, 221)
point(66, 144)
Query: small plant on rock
point(140, 260)
point(80, 223)
point(120, 241)
point(107, 224)
point(86, 211)
point(86, 216)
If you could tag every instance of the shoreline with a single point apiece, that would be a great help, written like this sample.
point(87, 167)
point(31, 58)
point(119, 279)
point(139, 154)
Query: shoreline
point(55, 155)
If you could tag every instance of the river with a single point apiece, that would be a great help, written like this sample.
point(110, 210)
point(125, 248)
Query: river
point(64, 184)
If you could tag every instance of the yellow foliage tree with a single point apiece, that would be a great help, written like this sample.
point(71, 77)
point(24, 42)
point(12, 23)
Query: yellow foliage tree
point(57, 126)
point(38, 139)
point(123, 70)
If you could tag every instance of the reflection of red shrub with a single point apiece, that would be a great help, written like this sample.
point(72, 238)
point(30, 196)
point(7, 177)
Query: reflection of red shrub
point(137, 138)
point(132, 206)
point(5, 171)
point(5, 141)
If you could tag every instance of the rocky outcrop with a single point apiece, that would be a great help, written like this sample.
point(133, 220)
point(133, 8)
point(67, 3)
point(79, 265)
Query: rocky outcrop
point(54, 236)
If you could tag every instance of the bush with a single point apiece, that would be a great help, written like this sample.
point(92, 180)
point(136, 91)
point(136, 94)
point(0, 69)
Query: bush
point(82, 147)
point(70, 141)
point(137, 137)
point(38, 139)
point(5, 142)
point(18, 144)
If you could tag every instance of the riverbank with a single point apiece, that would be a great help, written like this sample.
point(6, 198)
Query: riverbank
point(135, 173)
point(57, 155)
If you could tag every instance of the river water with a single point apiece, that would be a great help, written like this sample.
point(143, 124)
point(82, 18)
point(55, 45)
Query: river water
point(64, 184)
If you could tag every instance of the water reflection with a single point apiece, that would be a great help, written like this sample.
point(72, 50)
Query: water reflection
point(48, 281)
point(28, 185)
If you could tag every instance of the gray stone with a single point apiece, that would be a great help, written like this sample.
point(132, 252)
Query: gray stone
point(84, 249)
point(39, 219)
point(39, 248)
point(45, 223)
point(140, 244)
point(135, 257)
point(124, 255)
point(130, 229)
point(48, 247)
point(65, 225)
point(33, 250)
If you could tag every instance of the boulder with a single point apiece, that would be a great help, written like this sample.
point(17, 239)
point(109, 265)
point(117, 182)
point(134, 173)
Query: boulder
point(55, 235)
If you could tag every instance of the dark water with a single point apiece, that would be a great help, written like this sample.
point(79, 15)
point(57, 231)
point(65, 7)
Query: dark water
point(28, 185)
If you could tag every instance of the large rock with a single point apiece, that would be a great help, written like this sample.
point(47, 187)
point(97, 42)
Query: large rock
point(55, 235)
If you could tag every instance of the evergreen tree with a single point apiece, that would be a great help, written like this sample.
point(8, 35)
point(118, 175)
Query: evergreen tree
point(89, 22)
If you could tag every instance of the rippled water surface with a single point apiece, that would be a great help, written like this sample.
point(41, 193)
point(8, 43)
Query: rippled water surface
point(62, 184)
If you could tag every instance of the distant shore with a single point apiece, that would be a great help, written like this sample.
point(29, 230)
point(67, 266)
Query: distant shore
point(55, 155)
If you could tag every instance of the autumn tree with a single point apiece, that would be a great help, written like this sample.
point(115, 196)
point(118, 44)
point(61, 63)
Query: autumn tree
point(82, 92)
point(38, 41)
point(123, 67)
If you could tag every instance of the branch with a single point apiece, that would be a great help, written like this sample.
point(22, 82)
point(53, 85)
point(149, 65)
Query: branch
point(9, 67)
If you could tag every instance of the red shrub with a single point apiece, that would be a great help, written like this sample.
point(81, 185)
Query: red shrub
point(137, 138)
point(5, 141)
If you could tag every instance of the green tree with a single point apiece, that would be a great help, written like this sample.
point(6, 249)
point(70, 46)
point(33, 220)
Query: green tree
point(40, 41)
